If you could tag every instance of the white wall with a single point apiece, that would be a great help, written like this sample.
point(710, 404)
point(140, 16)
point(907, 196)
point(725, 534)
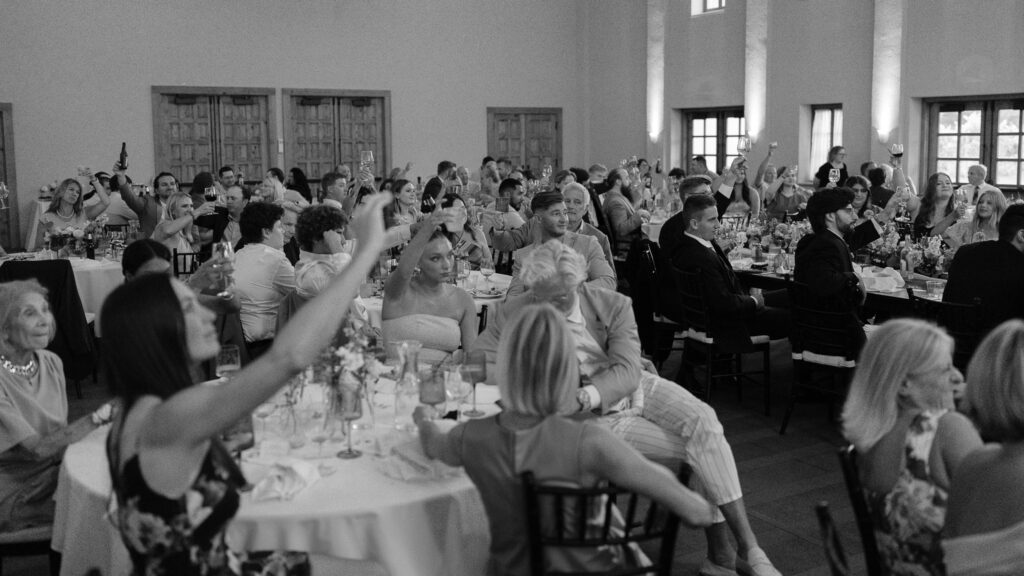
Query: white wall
point(79, 74)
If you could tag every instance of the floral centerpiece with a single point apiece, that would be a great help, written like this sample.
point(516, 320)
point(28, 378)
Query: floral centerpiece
point(73, 240)
point(885, 250)
point(932, 256)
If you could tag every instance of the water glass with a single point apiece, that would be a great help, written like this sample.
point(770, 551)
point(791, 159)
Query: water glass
point(934, 288)
point(229, 361)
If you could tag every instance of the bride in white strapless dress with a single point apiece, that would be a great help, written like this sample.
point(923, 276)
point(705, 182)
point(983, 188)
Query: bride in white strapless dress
point(420, 304)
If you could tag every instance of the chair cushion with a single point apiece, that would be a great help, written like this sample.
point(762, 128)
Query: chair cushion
point(824, 359)
point(34, 534)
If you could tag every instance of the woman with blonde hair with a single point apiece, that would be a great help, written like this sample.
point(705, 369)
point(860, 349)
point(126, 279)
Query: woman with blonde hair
point(983, 226)
point(899, 415)
point(985, 526)
point(67, 209)
point(175, 229)
point(538, 377)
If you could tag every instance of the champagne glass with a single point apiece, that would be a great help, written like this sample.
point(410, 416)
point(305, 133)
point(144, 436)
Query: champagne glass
point(319, 429)
point(262, 413)
point(229, 361)
point(350, 409)
point(225, 252)
point(743, 145)
point(474, 371)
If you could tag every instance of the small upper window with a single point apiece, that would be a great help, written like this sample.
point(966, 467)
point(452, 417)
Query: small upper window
point(698, 7)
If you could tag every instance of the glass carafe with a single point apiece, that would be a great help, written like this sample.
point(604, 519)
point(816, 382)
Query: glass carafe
point(407, 386)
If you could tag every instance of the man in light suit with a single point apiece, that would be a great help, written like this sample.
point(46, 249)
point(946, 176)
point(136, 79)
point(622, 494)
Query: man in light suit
point(659, 418)
point(550, 221)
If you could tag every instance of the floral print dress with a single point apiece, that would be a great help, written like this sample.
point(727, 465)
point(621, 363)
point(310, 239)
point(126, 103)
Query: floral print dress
point(909, 518)
point(185, 536)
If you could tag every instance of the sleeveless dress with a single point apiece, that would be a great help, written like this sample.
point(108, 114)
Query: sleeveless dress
point(440, 336)
point(494, 456)
point(185, 535)
point(781, 205)
point(908, 518)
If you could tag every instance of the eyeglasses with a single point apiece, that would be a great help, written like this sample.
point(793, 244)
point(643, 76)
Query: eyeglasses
point(858, 190)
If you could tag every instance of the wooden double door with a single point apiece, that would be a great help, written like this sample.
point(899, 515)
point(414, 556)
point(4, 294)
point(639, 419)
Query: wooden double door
point(529, 137)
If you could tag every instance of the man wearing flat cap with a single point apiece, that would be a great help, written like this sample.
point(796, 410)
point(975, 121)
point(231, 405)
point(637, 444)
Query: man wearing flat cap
point(823, 260)
point(550, 222)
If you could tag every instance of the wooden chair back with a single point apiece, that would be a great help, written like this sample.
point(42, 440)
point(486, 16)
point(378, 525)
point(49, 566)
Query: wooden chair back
point(848, 462)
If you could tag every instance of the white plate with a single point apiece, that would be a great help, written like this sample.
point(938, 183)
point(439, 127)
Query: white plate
point(487, 295)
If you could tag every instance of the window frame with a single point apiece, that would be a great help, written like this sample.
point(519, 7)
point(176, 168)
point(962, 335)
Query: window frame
point(813, 162)
point(989, 105)
point(722, 136)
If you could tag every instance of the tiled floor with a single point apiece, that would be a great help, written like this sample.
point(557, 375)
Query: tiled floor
point(783, 477)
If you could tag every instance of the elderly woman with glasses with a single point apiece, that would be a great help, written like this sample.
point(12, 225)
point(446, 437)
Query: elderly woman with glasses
point(34, 428)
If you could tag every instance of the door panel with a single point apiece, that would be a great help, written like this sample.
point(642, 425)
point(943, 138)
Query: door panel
point(312, 126)
point(528, 138)
point(243, 125)
point(185, 136)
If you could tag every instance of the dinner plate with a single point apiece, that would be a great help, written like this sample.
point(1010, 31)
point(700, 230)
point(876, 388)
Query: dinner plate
point(487, 295)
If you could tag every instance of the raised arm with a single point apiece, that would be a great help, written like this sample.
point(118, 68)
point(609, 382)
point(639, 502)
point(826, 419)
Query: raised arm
point(192, 416)
point(773, 189)
point(91, 212)
point(138, 205)
point(759, 178)
point(398, 282)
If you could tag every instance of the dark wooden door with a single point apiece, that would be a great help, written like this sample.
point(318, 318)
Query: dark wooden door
point(529, 137)
point(327, 131)
point(9, 235)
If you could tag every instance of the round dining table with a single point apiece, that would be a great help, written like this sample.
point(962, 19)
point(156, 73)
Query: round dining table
point(426, 527)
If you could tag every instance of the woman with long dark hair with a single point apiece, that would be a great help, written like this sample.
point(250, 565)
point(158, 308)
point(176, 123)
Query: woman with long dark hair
point(297, 181)
point(165, 460)
point(938, 210)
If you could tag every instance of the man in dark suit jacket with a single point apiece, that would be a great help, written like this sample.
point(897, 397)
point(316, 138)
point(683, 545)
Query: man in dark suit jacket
point(993, 272)
point(734, 314)
point(823, 261)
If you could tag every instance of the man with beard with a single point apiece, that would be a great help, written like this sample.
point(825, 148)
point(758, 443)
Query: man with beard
point(622, 212)
point(823, 261)
point(149, 208)
point(550, 222)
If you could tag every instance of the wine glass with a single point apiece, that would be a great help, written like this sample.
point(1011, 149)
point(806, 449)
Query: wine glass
point(487, 270)
point(350, 408)
point(457, 388)
point(474, 371)
point(210, 194)
point(229, 361)
point(225, 252)
point(743, 145)
point(262, 413)
point(319, 429)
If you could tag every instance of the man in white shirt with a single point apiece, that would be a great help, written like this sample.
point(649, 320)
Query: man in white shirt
point(976, 184)
point(263, 275)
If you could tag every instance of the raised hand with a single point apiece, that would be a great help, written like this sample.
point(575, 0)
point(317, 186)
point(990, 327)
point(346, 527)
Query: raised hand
point(368, 221)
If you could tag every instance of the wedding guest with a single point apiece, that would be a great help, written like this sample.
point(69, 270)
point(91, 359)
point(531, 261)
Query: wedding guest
point(118, 213)
point(333, 189)
point(470, 189)
point(673, 229)
point(513, 218)
point(236, 198)
point(320, 232)
point(976, 184)
point(404, 211)
point(823, 260)
point(867, 167)
point(577, 209)
point(766, 170)
point(938, 209)
point(598, 175)
point(420, 303)
point(297, 181)
point(561, 179)
point(550, 222)
point(784, 197)
point(67, 210)
point(622, 212)
point(489, 181)
point(288, 222)
point(899, 415)
point(862, 198)
point(33, 408)
point(536, 433)
point(734, 195)
point(699, 167)
point(227, 178)
point(468, 239)
point(165, 459)
point(992, 272)
point(197, 190)
point(880, 195)
point(656, 416)
point(263, 276)
point(148, 208)
point(984, 532)
point(837, 161)
point(147, 256)
point(176, 229)
point(983, 226)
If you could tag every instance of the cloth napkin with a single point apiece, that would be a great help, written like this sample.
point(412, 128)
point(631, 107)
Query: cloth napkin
point(407, 462)
point(286, 478)
point(880, 279)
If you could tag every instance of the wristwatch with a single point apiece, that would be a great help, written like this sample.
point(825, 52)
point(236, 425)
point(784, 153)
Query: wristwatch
point(583, 399)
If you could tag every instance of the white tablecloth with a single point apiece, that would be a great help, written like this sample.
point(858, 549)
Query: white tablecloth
point(95, 280)
point(652, 229)
point(375, 304)
point(435, 527)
